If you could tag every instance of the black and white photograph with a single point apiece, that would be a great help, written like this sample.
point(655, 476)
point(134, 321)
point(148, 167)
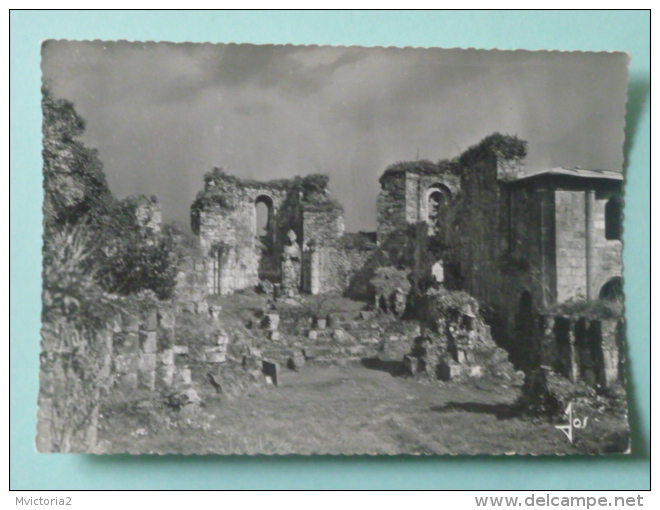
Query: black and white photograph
point(325, 250)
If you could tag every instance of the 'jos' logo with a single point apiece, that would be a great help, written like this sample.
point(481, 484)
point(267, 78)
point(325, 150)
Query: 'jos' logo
point(573, 423)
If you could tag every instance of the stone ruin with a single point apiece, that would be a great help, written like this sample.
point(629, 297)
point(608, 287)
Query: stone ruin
point(476, 224)
point(518, 243)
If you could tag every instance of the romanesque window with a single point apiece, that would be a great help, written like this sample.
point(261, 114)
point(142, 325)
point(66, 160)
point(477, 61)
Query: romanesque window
point(613, 219)
point(263, 210)
point(438, 206)
point(612, 290)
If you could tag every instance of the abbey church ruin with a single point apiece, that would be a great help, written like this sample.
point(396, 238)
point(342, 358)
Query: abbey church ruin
point(524, 246)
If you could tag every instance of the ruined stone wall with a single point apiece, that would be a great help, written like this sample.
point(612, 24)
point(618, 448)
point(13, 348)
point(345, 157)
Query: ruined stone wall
point(322, 261)
point(609, 259)
point(404, 198)
point(571, 245)
point(391, 205)
point(584, 349)
point(148, 215)
point(418, 188)
point(586, 260)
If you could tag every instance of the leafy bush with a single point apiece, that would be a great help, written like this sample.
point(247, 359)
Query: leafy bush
point(600, 309)
point(387, 280)
point(502, 146)
point(129, 260)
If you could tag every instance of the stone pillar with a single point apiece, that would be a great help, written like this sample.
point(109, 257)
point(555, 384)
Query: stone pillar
point(590, 242)
point(315, 270)
point(573, 373)
point(147, 359)
point(291, 262)
point(610, 346)
point(548, 341)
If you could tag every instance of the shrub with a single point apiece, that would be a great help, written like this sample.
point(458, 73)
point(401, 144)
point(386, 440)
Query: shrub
point(387, 280)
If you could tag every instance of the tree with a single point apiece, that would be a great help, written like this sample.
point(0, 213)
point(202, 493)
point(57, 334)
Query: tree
point(74, 182)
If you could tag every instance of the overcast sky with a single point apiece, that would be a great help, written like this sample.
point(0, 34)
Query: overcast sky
point(164, 114)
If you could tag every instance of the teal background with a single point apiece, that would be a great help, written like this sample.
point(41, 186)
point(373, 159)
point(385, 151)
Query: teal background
point(565, 30)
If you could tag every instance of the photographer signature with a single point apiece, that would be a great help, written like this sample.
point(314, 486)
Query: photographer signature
point(573, 423)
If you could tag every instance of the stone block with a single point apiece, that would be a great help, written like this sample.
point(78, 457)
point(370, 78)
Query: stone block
point(365, 315)
point(312, 334)
point(166, 338)
point(165, 375)
point(271, 369)
point(216, 354)
point(355, 350)
point(148, 341)
point(274, 335)
point(338, 334)
point(271, 321)
point(180, 349)
point(128, 382)
point(411, 364)
point(147, 380)
point(448, 371)
point(321, 324)
point(166, 357)
point(130, 322)
point(223, 339)
point(214, 311)
point(476, 371)
point(252, 362)
point(150, 319)
point(332, 320)
point(166, 318)
point(296, 361)
point(115, 324)
point(182, 376)
point(147, 362)
point(126, 363)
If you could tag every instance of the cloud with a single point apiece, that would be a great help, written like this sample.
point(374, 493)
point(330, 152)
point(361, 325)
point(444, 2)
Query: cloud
point(163, 114)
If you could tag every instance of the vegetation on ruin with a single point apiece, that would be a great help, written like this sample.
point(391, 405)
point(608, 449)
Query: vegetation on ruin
point(597, 309)
point(447, 301)
point(97, 260)
point(359, 241)
point(502, 146)
point(74, 182)
point(387, 280)
point(421, 167)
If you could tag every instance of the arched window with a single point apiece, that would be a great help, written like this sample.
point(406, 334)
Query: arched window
point(612, 290)
point(613, 219)
point(263, 213)
point(439, 197)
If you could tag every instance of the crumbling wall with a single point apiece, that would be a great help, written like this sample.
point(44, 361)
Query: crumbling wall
point(405, 192)
point(456, 343)
point(224, 216)
point(583, 348)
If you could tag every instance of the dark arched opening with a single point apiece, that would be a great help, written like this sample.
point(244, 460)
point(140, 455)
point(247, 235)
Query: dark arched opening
point(525, 346)
point(263, 210)
point(612, 290)
point(613, 222)
point(438, 210)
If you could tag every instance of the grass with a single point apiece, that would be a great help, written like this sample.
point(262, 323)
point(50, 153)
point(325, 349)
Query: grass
point(355, 410)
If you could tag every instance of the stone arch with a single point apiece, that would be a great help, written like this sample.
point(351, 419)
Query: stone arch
point(264, 206)
point(612, 290)
point(437, 205)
